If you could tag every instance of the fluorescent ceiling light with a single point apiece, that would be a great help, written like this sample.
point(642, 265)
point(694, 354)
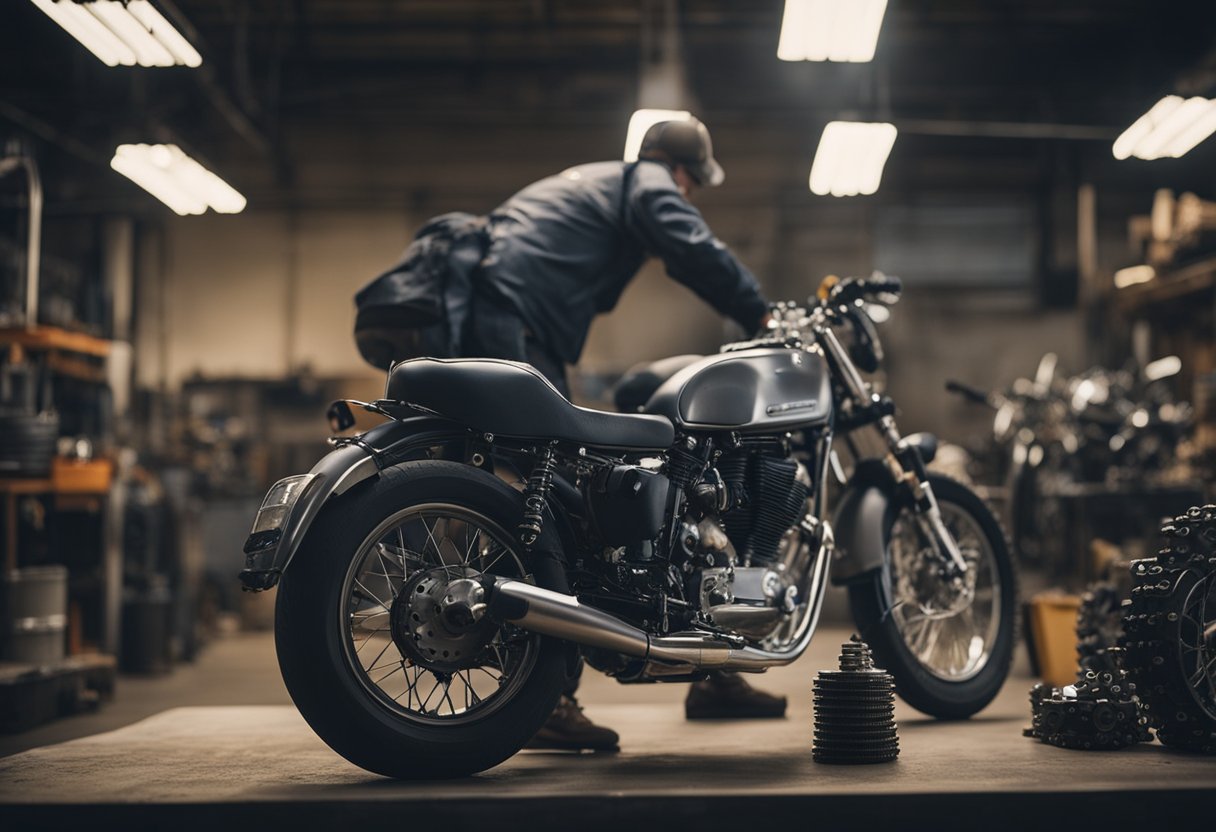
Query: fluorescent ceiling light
point(171, 176)
point(851, 157)
point(1169, 129)
point(830, 30)
point(182, 50)
point(1133, 275)
point(122, 33)
point(643, 120)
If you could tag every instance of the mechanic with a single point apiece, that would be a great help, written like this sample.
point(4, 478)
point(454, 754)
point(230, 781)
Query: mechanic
point(563, 250)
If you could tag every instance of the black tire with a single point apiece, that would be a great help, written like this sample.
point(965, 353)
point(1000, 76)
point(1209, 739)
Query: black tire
point(310, 643)
point(870, 601)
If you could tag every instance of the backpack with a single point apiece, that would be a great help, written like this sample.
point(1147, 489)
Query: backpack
point(420, 305)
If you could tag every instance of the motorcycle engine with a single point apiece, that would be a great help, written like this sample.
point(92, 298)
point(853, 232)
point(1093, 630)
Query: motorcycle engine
point(771, 492)
point(751, 499)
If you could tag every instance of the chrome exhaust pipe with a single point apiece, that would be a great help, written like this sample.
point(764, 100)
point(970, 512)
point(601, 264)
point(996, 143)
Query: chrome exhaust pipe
point(562, 616)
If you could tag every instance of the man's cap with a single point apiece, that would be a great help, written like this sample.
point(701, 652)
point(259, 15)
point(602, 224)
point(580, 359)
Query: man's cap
point(686, 143)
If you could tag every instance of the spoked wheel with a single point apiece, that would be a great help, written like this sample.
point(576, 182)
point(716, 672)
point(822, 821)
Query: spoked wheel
point(949, 628)
point(948, 643)
point(1197, 644)
point(417, 636)
point(382, 631)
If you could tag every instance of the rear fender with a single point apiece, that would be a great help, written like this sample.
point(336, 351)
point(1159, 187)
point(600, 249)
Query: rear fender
point(858, 523)
point(293, 504)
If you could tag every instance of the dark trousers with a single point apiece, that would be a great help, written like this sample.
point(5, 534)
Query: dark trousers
point(496, 331)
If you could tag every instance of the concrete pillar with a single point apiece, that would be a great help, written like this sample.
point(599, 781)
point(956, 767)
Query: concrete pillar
point(118, 276)
point(1087, 243)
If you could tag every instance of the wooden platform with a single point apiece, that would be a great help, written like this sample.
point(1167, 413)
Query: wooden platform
point(215, 767)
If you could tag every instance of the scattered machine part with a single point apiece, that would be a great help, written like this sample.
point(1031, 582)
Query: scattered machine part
point(1100, 712)
point(855, 710)
point(1170, 632)
point(1099, 625)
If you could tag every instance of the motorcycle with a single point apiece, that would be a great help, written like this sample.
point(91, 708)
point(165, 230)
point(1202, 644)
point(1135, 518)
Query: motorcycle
point(1053, 435)
point(440, 574)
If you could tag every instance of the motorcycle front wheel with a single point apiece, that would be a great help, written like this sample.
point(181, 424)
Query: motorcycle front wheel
point(948, 644)
point(369, 646)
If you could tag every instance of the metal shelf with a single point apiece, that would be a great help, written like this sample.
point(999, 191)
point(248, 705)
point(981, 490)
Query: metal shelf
point(55, 339)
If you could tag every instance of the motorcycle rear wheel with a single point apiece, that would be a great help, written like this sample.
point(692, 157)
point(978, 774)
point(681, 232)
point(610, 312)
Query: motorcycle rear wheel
point(943, 680)
point(327, 610)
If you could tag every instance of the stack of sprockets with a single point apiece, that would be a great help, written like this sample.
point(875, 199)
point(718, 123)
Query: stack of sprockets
point(855, 710)
point(1169, 632)
point(1099, 712)
point(1163, 674)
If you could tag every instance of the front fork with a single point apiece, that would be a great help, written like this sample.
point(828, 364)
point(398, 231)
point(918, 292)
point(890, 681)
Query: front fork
point(905, 463)
point(909, 470)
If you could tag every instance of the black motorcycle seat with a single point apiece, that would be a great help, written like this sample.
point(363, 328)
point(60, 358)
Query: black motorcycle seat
point(509, 398)
point(641, 380)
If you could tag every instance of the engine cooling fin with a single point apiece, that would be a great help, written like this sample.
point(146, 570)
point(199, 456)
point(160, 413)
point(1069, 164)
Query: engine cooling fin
point(855, 710)
point(773, 500)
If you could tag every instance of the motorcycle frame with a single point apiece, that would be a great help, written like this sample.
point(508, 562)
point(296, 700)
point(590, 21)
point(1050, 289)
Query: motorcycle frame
point(859, 545)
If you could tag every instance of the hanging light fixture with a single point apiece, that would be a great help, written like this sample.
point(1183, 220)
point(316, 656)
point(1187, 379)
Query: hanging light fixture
point(830, 30)
point(177, 180)
point(127, 33)
point(1169, 129)
point(851, 157)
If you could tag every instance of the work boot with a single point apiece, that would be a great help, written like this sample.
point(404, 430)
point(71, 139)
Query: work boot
point(569, 729)
point(729, 696)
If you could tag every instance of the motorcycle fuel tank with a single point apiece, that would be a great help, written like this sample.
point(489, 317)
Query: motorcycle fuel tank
point(748, 390)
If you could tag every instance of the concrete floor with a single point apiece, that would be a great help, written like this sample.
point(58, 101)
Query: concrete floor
point(222, 744)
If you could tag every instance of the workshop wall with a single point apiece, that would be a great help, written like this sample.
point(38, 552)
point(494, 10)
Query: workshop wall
point(269, 294)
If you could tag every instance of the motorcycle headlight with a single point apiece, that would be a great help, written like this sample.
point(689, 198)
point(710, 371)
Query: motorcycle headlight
point(278, 503)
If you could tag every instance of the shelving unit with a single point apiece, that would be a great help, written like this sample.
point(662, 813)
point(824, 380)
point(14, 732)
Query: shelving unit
point(1180, 305)
point(73, 485)
point(53, 339)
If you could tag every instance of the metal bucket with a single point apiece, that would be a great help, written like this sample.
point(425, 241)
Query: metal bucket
point(35, 615)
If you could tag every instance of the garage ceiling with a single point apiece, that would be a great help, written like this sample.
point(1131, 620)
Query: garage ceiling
point(274, 68)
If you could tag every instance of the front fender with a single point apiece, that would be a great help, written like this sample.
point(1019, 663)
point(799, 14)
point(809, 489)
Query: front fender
point(268, 551)
point(858, 523)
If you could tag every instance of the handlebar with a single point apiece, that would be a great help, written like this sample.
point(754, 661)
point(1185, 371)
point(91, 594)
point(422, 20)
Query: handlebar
point(853, 289)
point(835, 303)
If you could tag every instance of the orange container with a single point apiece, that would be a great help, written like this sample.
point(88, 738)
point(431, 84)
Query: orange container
point(72, 476)
point(1053, 626)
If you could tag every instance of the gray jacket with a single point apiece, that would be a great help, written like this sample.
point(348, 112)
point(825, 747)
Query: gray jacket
point(563, 249)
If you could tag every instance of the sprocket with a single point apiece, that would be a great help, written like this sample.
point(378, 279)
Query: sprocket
point(1099, 712)
point(1099, 624)
point(1170, 632)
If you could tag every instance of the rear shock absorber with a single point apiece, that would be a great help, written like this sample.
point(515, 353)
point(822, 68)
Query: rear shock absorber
point(536, 496)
